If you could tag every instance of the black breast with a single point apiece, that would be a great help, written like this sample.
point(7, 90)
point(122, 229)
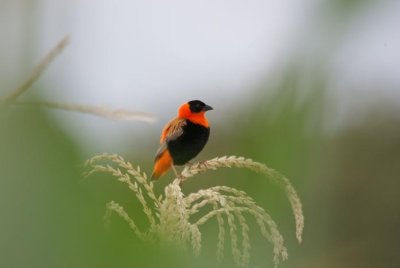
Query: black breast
point(189, 144)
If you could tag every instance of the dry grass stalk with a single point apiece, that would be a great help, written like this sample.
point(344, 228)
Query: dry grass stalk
point(114, 114)
point(38, 70)
point(171, 215)
point(101, 111)
point(126, 177)
point(241, 162)
point(115, 207)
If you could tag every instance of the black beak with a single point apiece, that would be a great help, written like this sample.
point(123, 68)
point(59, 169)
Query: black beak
point(207, 108)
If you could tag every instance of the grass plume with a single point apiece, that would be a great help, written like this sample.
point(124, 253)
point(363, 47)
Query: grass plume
point(171, 215)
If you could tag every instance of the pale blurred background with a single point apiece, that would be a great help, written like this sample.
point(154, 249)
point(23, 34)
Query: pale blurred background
point(312, 88)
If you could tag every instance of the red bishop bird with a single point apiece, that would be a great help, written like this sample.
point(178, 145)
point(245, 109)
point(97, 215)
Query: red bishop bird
point(182, 138)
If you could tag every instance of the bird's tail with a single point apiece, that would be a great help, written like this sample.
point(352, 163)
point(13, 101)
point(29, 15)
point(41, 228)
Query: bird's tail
point(161, 165)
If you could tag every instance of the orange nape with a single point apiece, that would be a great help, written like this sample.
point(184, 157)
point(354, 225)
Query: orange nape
point(162, 165)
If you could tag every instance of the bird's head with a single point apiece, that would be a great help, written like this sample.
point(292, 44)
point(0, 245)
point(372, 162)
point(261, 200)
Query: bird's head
point(194, 111)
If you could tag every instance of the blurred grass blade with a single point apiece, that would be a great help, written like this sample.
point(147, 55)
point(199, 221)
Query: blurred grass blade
point(105, 112)
point(38, 70)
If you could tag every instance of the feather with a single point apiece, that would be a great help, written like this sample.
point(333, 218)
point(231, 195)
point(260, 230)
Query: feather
point(172, 131)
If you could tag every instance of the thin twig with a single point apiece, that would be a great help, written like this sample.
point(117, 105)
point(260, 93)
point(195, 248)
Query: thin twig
point(37, 71)
point(113, 114)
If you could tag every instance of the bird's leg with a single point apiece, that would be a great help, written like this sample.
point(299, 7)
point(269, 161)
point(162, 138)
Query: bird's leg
point(174, 169)
point(178, 176)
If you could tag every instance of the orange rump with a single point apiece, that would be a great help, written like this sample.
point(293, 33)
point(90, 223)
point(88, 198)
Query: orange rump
point(162, 165)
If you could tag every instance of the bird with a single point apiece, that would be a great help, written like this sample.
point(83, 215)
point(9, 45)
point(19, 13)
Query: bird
point(182, 138)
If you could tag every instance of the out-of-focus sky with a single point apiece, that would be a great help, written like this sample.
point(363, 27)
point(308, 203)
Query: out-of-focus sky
point(155, 55)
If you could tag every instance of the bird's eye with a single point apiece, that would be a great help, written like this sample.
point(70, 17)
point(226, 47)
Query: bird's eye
point(199, 108)
point(196, 106)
